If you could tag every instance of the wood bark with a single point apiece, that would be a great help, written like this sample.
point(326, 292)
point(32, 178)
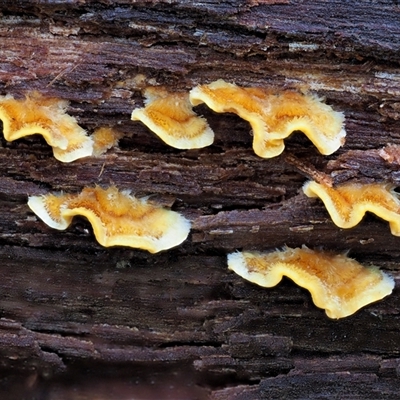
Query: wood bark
point(79, 320)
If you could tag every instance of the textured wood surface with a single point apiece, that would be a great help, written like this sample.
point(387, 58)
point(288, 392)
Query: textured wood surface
point(82, 321)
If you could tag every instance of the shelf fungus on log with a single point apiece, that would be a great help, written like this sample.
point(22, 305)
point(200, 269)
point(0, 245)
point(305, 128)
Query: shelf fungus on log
point(347, 204)
point(275, 116)
point(118, 219)
point(338, 284)
point(171, 117)
point(45, 116)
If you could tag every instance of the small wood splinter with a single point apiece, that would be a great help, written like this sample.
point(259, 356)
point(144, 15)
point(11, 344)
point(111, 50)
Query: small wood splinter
point(118, 219)
point(171, 117)
point(47, 117)
point(337, 283)
point(273, 117)
point(347, 204)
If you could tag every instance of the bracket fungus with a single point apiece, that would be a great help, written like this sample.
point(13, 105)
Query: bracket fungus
point(338, 284)
point(347, 204)
point(171, 117)
point(274, 116)
point(45, 116)
point(118, 219)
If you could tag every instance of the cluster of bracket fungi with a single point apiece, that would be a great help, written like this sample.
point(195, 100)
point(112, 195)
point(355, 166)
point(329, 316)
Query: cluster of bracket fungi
point(338, 284)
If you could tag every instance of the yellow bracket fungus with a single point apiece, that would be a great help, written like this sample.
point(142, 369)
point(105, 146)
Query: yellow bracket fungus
point(171, 117)
point(347, 204)
point(45, 116)
point(337, 283)
point(118, 219)
point(273, 117)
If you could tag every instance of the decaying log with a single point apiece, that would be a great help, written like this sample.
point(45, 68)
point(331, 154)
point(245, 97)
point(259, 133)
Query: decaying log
point(79, 320)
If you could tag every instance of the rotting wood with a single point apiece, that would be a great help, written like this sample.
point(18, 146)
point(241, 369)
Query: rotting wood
point(178, 324)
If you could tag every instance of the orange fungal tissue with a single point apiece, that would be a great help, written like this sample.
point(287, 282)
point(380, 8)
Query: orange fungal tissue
point(117, 218)
point(347, 204)
point(45, 116)
point(171, 117)
point(104, 138)
point(338, 284)
point(274, 116)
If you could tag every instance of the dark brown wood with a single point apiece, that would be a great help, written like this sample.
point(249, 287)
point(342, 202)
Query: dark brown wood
point(79, 320)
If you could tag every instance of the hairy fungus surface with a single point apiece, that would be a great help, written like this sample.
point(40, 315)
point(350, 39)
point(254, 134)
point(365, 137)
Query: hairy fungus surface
point(118, 219)
point(45, 116)
point(103, 139)
point(171, 117)
point(338, 284)
point(347, 204)
point(274, 116)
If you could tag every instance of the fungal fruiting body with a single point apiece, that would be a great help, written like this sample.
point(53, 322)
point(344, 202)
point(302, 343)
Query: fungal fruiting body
point(273, 117)
point(118, 219)
point(347, 204)
point(171, 117)
point(338, 284)
point(47, 117)
point(103, 139)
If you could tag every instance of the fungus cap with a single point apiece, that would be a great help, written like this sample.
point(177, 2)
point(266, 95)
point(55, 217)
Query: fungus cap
point(171, 117)
point(348, 203)
point(117, 218)
point(104, 138)
point(275, 116)
point(45, 116)
point(338, 284)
